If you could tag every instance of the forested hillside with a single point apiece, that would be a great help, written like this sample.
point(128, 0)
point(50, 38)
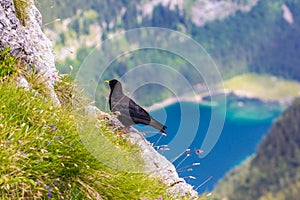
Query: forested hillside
point(274, 173)
point(260, 40)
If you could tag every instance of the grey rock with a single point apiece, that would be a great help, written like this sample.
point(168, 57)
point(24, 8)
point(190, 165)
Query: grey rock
point(22, 82)
point(158, 166)
point(28, 43)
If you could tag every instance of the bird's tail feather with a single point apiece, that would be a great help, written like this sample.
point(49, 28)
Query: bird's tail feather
point(158, 126)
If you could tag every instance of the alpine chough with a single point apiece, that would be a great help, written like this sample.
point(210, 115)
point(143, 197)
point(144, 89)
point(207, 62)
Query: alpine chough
point(129, 112)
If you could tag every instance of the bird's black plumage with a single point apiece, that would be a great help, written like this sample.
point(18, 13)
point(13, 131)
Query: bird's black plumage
point(130, 112)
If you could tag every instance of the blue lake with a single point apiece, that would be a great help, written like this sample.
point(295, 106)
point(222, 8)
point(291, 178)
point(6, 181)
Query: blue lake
point(246, 123)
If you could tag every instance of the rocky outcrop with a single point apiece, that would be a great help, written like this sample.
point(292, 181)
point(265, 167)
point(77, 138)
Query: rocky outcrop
point(27, 42)
point(206, 10)
point(200, 11)
point(156, 165)
point(287, 14)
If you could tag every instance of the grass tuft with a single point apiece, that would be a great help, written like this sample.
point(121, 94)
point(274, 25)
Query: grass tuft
point(8, 65)
point(20, 8)
point(64, 90)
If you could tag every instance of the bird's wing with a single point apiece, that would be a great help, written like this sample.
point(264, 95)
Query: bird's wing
point(138, 114)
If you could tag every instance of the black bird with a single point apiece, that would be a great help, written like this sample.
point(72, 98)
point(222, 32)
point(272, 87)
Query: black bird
point(129, 112)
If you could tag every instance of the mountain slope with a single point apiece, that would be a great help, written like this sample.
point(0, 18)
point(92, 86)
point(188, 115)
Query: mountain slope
point(274, 173)
point(240, 35)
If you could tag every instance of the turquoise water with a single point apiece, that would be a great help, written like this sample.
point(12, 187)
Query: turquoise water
point(246, 122)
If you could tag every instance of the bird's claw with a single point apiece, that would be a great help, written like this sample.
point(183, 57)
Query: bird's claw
point(123, 131)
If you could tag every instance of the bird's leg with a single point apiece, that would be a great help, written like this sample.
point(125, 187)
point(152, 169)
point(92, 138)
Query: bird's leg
point(124, 130)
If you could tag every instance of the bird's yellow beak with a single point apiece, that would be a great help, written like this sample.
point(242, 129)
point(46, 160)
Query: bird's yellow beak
point(106, 81)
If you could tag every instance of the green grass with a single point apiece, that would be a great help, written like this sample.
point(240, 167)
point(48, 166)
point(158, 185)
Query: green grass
point(8, 65)
point(265, 87)
point(41, 149)
point(21, 13)
point(42, 154)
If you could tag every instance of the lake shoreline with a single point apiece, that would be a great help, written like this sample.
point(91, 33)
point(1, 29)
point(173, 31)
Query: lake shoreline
point(266, 88)
point(199, 98)
point(239, 135)
point(172, 100)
